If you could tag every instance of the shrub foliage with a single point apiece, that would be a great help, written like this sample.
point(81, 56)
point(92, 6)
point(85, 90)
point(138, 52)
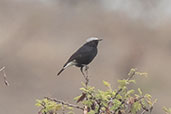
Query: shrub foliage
point(120, 100)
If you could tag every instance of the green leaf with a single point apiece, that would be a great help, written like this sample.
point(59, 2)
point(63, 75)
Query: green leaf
point(90, 89)
point(91, 112)
point(155, 101)
point(148, 96)
point(139, 90)
point(71, 112)
point(142, 74)
point(167, 110)
point(129, 92)
point(122, 83)
point(116, 104)
point(135, 108)
point(69, 108)
point(58, 107)
point(77, 97)
point(38, 103)
point(107, 84)
point(83, 84)
point(87, 103)
point(136, 95)
point(132, 81)
point(113, 93)
point(132, 72)
point(101, 95)
point(84, 90)
point(119, 96)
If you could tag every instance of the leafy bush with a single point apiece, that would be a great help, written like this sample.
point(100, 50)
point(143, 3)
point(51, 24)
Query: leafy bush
point(122, 100)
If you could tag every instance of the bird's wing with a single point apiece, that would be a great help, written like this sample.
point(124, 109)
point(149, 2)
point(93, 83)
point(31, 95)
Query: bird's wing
point(81, 54)
point(76, 55)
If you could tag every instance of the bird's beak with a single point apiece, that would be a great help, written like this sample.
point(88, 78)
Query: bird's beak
point(100, 39)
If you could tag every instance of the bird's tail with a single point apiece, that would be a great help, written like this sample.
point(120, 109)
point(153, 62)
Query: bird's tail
point(60, 71)
point(65, 66)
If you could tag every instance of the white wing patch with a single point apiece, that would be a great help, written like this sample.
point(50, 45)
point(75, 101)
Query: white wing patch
point(70, 64)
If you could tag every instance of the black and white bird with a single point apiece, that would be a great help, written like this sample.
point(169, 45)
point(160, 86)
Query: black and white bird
point(84, 55)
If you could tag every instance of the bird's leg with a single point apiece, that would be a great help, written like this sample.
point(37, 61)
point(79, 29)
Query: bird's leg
point(86, 70)
point(82, 72)
point(85, 76)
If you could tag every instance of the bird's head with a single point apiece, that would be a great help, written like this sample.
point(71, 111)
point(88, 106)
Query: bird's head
point(93, 41)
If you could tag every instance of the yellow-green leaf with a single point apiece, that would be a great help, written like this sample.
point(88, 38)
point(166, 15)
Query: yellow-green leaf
point(139, 90)
point(107, 84)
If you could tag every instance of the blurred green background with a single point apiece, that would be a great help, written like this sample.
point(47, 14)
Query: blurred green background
point(38, 36)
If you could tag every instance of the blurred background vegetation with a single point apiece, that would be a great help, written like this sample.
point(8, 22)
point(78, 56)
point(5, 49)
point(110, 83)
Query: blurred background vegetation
point(37, 37)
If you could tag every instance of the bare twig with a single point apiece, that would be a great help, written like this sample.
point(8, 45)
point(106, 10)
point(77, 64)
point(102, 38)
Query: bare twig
point(117, 93)
point(85, 110)
point(63, 110)
point(143, 112)
point(131, 76)
point(2, 69)
point(120, 106)
point(4, 76)
point(145, 109)
point(99, 109)
point(44, 107)
point(65, 103)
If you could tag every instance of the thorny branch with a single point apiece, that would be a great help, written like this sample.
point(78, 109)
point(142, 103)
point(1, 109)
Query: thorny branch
point(64, 103)
point(123, 101)
point(97, 102)
point(84, 109)
point(145, 109)
point(4, 76)
point(119, 90)
point(119, 106)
